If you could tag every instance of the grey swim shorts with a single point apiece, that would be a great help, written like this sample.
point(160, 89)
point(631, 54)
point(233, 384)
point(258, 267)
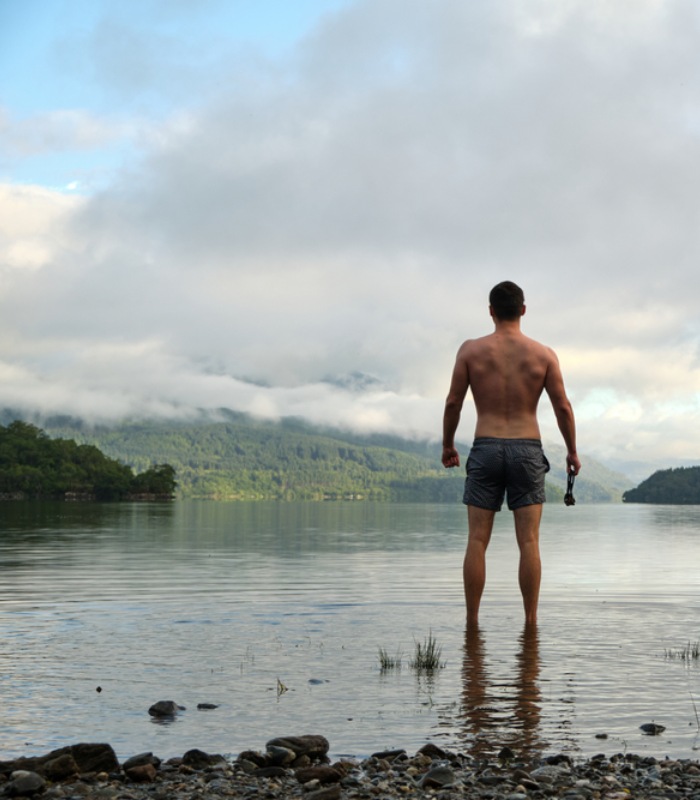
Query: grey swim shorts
point(495, 466)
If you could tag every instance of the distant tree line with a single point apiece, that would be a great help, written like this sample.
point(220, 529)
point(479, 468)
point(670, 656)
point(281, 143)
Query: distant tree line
point(34, 466)
point(678, 486)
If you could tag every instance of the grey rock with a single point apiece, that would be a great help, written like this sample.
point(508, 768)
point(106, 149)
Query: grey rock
point(389, 755)
point(311, 745)
point(433, 751)
point(59, 768)
point(60, 764)
point(198, 759)
point(323, 773)
point(438, 777)
point(652, 729)
point(327, 793)
point(24, 782)
point(270, 772)
point(281, 756)
point(253, 757)
point(139, 761)
point(548, 773)
point(165, 708)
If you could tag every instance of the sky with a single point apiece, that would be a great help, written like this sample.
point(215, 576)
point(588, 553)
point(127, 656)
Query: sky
point(300, 208)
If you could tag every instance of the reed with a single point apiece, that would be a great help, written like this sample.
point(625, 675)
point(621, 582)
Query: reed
point(691, 652)
point(427, 655)
point(387, 662)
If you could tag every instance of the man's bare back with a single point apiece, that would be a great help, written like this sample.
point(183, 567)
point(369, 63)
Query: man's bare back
point(507, 373)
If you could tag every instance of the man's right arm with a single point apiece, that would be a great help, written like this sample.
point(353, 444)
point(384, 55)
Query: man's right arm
point(563, 411)
point(453, 409)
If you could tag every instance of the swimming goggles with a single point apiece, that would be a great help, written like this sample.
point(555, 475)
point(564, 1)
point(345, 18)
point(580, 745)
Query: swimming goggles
point(569, 496)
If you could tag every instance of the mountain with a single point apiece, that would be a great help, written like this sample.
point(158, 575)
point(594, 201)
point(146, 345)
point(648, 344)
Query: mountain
point(677, 486)
point(238, 457)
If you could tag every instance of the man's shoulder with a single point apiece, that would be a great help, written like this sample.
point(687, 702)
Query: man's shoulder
point(540, 347)
point(475, 344)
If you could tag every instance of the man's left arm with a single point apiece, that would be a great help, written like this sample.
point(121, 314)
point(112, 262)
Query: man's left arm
point(563, 411)
point(453, 410)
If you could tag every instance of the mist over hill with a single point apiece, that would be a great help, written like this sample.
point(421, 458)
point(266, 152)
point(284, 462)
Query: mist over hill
point(237, 457)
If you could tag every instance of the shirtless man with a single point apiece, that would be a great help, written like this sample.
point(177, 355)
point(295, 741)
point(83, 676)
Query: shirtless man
point(507, 372)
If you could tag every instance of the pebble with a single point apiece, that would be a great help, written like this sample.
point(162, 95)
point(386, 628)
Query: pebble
point(298, 768)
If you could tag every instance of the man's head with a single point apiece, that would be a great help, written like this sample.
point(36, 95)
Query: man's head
point(507, 301)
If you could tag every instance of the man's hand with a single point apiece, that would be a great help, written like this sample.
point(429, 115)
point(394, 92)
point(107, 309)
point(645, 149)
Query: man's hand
point(572, 463)
point(450, 457)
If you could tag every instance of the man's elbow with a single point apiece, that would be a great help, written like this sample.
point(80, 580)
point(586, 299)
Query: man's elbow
point(453, 403)
point(564, 412)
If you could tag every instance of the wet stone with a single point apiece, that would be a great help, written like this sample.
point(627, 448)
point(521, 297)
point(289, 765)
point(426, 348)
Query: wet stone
point(438, 777)
point(431, 773)
point(165, 708)
point(24, 783)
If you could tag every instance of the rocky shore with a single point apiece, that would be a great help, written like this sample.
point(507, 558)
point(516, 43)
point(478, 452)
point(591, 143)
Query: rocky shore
point(299, 767)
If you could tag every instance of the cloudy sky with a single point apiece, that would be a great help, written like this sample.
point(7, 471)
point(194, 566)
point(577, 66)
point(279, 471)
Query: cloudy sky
point(300, 207)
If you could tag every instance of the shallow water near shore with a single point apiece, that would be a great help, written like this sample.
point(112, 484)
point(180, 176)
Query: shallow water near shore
point(276, 612)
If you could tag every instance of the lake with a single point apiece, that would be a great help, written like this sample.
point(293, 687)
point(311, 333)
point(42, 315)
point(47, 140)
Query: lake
point(276, 613)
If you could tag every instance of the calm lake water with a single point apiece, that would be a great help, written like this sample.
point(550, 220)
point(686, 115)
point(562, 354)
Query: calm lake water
point(276, 613)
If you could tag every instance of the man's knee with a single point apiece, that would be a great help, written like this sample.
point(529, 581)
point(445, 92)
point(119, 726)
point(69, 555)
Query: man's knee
point(480, 524)
point(527, 523)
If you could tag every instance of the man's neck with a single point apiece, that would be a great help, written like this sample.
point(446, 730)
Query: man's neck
point(507, 326)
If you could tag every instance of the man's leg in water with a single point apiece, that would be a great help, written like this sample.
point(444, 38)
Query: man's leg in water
point(480, 527)
point(527, 531)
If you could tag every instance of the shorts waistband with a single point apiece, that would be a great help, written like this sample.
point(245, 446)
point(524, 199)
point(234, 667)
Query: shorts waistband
point(501, 440)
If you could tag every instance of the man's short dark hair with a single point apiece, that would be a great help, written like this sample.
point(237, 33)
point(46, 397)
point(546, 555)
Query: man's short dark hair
point(507, 300)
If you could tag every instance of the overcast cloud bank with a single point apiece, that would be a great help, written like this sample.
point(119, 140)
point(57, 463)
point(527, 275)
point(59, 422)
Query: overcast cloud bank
point(346, 207)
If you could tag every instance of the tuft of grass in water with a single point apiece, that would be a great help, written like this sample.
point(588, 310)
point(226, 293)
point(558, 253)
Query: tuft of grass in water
point(427, 656)
point(691, 652)
point(387, 662)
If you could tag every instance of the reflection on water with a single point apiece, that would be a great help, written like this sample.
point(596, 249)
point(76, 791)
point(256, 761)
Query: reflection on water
point(496, 714)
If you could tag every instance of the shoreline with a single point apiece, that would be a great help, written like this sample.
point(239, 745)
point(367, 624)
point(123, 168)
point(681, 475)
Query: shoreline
point(299, 766)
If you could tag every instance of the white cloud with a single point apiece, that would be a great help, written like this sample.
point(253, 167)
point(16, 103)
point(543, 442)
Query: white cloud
point(32, 226)
point(349, 209)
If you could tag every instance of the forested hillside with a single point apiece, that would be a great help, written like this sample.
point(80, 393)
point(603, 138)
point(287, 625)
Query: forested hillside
point(34, 466)
point(678, 486)
point(242, 458)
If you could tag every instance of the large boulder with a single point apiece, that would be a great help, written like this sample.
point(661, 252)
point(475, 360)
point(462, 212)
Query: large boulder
point(76, 759)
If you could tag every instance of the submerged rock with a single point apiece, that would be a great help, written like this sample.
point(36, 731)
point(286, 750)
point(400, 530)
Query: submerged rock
point(165, 708)
point(652, 729)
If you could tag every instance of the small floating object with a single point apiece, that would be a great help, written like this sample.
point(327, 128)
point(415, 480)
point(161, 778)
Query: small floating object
point(601, 736)
point(652, 729)
point(206, 706)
